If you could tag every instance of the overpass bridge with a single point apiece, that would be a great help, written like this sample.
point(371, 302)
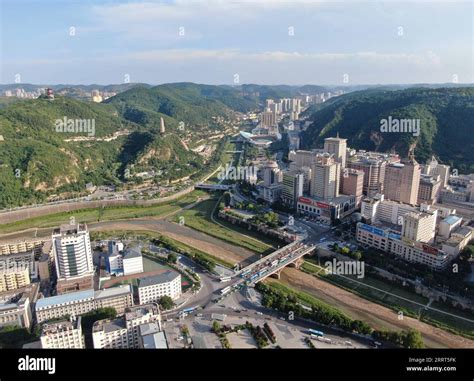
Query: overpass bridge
point(272, 264)
point(215, 187)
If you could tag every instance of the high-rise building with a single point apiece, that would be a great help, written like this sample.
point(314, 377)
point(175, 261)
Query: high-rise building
point(433, 168)
point(353, 183)
point(268, 119)
point(419, 226)
point(402, 181)
point(428, 191)
point(325, 178)
point(73, 258)
point(292, 187)
point(374, 174)
point(302, 158)
point(338, 147)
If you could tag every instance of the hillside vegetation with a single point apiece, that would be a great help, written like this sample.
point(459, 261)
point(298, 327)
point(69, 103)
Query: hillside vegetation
point(446, 123)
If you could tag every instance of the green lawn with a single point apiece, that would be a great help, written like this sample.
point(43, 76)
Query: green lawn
point(102, 214)
point(199, 218)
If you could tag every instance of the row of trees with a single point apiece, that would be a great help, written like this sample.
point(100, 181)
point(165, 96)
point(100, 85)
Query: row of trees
point(327, 315)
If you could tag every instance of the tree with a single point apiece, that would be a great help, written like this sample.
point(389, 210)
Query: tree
point(166, 302)
point(216, 327)
point(172, 258)
point(227, 198)
point(413, 339)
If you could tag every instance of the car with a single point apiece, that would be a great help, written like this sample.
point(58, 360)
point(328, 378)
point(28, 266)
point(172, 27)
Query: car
point(259, 313)
point(282, 318)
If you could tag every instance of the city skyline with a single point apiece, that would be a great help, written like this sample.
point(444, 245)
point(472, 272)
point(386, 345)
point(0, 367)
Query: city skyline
point(342, 43)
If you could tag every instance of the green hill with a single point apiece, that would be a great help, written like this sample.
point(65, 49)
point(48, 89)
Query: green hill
point(37, 161)
point(179, 102)
point(446, 123)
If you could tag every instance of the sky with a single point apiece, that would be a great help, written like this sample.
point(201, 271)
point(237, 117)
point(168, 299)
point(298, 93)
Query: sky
point(233, 42)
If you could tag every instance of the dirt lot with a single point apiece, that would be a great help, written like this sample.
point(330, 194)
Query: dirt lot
point(376, 315)
point(191, 237)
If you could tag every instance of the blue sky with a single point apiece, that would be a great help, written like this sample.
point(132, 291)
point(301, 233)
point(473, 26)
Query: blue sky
point(209, 41)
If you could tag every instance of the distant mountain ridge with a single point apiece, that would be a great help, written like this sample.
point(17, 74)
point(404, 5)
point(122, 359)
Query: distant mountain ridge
point(446, 116)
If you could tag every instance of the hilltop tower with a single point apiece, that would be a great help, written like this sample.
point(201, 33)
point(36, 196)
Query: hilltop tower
point(162, 125)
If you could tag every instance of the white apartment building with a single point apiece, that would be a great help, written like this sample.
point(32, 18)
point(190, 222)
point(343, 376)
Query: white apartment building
point(125, 332)
point(81, 302)
point(152, 288)
point(66, 334)
point(125, 262)
point(132, 262)
point(72, 251)
point(14, 277)
point(16, 313)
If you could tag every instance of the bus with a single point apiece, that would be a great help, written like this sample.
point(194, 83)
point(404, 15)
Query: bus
point(225, 290)
point(225, 279)
point(315, 332)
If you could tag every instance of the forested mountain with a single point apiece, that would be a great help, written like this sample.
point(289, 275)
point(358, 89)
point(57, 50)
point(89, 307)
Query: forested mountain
point(446, 123)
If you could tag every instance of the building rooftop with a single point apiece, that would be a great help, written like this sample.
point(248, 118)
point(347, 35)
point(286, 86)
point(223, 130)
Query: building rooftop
point(64, 299)
point(60, 326)
point(164, 277)
point(451, 220)
point(132, 253)
point(149, 328)
point(68, 229)
point(113, 291)
point(135, 312)
point(108, 325)
point(155, 341)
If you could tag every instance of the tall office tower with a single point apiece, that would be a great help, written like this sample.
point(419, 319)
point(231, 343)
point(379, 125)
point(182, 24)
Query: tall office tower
point(353, 183)
point(268, 119)
point(419, 226)
point(73, 258)
point(402, 181)
point(306, 179)
point(433, 168)
point(292, 187)
point(374, 174)
point(325, 178)
point(338, 147)
point(162, 125)
point(428, 192)
point(302, 158)
point(271, 173)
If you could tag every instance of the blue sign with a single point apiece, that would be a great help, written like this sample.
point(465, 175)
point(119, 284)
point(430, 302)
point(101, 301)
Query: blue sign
point(373, 230)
